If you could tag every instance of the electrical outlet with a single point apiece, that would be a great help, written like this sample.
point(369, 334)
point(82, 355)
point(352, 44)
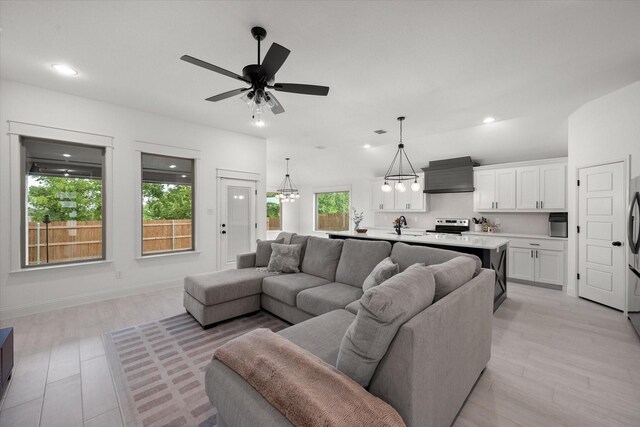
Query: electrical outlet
point(118, 274)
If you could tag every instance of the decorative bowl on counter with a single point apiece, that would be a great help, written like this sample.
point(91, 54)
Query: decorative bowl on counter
point(361, 230)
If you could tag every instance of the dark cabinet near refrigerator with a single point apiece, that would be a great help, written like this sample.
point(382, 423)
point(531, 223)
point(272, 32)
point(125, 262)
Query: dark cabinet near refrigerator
point(6, 357)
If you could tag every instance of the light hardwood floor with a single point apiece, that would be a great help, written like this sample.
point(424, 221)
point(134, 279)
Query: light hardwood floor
point(555, 361)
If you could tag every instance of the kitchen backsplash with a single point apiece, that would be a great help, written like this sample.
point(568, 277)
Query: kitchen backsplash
point(460, 205)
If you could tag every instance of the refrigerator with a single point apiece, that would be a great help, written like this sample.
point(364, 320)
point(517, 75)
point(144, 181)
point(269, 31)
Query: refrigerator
point(633, 242)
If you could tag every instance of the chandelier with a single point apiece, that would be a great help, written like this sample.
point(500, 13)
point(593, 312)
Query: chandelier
point(287, 191)
point(400, 174)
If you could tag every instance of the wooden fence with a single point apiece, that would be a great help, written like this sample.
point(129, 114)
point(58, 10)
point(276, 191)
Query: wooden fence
point(333, 222)
point(273, 223)
point(82, 240)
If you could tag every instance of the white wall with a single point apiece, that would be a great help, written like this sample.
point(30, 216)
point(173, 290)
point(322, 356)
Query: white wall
point(603, 130)
point(31, 291)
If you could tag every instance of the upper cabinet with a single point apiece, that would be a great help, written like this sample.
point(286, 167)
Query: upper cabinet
point(529, 186)
point(396, 201)
point(495, 189)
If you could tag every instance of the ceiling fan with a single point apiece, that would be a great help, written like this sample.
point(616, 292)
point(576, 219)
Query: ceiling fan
point(260, 77)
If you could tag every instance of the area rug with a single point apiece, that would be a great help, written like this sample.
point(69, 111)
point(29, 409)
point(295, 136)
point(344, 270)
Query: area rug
point(158, 367)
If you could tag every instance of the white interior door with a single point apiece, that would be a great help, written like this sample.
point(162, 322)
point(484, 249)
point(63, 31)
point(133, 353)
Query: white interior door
point(237, 227)
point(601, 241)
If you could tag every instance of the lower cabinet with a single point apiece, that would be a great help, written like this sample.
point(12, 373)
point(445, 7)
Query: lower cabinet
point(537, 261)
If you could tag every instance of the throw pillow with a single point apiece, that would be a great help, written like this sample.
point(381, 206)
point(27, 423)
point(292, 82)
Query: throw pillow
point(263, 251)
point(284, 258)
point(381, 272)
point(383, 309)
point(452, 274)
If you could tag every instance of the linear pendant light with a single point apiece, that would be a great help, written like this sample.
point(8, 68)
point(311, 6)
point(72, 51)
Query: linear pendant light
point(400, 174)
point(287, 191)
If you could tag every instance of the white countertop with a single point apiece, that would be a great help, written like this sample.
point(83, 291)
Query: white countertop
point(409, 236)
point(513, 235)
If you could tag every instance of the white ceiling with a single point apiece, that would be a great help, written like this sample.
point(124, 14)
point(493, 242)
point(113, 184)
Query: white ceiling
point(444, 65)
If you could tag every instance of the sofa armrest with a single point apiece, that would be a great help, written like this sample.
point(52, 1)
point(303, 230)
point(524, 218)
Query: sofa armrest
point(438, 355)
point(246, 260)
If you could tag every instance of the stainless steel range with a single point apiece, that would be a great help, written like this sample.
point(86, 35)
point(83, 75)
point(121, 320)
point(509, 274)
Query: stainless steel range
point(450, 226)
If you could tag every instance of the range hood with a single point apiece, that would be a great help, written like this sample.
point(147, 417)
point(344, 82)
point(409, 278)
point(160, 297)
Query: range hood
point(449, 176)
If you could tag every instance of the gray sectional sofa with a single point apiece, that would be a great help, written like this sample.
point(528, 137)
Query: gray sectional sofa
point(427, 372)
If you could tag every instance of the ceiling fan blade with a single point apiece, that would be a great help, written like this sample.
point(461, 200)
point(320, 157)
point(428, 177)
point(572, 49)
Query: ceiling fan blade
point(273, 60)
point(211, 67)
point(225, 95)
point(277, 108)
point(302, 89)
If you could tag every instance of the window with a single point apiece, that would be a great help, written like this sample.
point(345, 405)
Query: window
point(167, 204)
point(63, 202)
point(332, 211)
point(274, 212)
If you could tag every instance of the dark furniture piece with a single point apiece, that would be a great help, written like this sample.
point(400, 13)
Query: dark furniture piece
point(6, 356)
point(495, 259)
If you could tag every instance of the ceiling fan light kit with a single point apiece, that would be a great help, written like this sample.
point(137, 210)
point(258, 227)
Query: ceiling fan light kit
point(287, 191)
point(402, 173)
point(260, 77)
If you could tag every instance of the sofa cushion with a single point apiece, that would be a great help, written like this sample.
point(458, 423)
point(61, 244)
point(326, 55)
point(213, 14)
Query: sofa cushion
point(326, 298)
point(451, 275)
point(285, 287)
point(358, 258)
point(321, 257)
point(298, 239)
point(286, 236)
point(263, 251)
point(226, 285)
point(385, 270)
point(383, 309)
point(352, 307)
point(321, 335)
point(284, 258)
point(406, 255)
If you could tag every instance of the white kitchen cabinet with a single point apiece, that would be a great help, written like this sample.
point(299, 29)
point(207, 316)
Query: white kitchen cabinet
point(553, 186)
point(484, 195)
point(549, 266)
point(396, 201)
point(505, 195)
point(521, 264)
point(537, 260)
point(528, 179)
point(538, 186)
point(495, 189)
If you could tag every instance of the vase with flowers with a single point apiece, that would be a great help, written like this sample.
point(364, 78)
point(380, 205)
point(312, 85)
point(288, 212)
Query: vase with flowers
point(357, 218)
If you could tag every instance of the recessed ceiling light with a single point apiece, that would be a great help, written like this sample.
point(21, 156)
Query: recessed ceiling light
point(487, 120)
point(64, 69)
point(66, 155)
point(172, 166)
point(366, 146)
point(320, 147)
point(258, 123)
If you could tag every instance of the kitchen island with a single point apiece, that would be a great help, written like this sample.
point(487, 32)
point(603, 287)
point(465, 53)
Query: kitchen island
point(492, 251)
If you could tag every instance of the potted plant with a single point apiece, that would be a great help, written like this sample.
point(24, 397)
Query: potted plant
point(357, 218)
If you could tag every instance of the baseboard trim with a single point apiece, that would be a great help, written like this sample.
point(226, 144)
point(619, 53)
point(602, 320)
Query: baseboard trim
point(72, 301)
point(538, 284)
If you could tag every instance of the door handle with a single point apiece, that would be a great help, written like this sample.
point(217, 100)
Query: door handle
point(223, 232)
point(541, 204)
point(616, 243)
point(223, 225)
point(536, 253)
point(496, 205)
point(532, 253)
point(537, 203)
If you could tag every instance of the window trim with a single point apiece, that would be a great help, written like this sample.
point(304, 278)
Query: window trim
point(22, 129)
point(281, 213)
point(24, 250)
point(330, 189)
point(193, 208)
